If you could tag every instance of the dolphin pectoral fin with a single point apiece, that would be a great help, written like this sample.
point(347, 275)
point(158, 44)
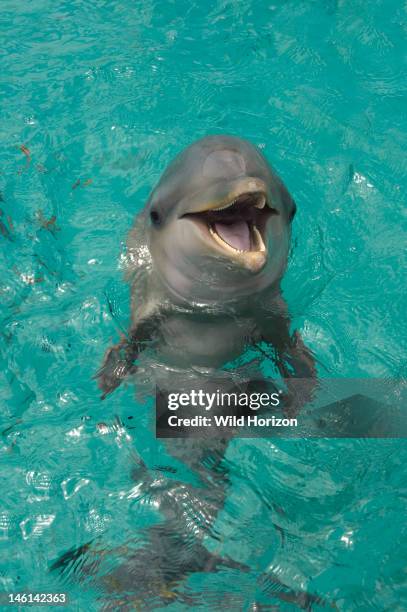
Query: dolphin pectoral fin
point(294, 360)
point(119, 360)
point(117, 364)
point(296, 364)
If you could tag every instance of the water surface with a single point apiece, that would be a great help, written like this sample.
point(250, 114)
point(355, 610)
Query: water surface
point(96, 98)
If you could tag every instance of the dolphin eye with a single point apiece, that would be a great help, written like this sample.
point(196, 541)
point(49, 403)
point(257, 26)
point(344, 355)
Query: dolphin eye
point(155, 217)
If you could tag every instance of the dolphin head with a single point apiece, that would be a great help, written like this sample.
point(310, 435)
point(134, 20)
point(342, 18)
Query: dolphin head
point(219, 221)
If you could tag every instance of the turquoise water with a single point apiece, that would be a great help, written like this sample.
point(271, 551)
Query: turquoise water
point(96, 99)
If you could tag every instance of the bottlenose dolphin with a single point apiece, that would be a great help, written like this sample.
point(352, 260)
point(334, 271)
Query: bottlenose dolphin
point(205, 258)
point(204, 261)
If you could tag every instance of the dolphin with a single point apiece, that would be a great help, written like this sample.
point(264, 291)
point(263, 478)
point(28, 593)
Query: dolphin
point(204, 262)
point(205, 258)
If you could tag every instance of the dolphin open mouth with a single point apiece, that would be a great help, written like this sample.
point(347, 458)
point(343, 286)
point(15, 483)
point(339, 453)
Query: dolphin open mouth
point(239, 225)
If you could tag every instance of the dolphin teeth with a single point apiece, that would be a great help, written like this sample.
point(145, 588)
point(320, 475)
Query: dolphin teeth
point(261, 203)
point(226, 206)
point(259, 240)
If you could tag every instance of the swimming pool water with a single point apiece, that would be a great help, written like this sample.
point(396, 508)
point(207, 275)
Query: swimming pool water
point(96, 98)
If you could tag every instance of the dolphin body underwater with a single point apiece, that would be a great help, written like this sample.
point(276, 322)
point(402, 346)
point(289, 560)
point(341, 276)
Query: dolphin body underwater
point(205, 258)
